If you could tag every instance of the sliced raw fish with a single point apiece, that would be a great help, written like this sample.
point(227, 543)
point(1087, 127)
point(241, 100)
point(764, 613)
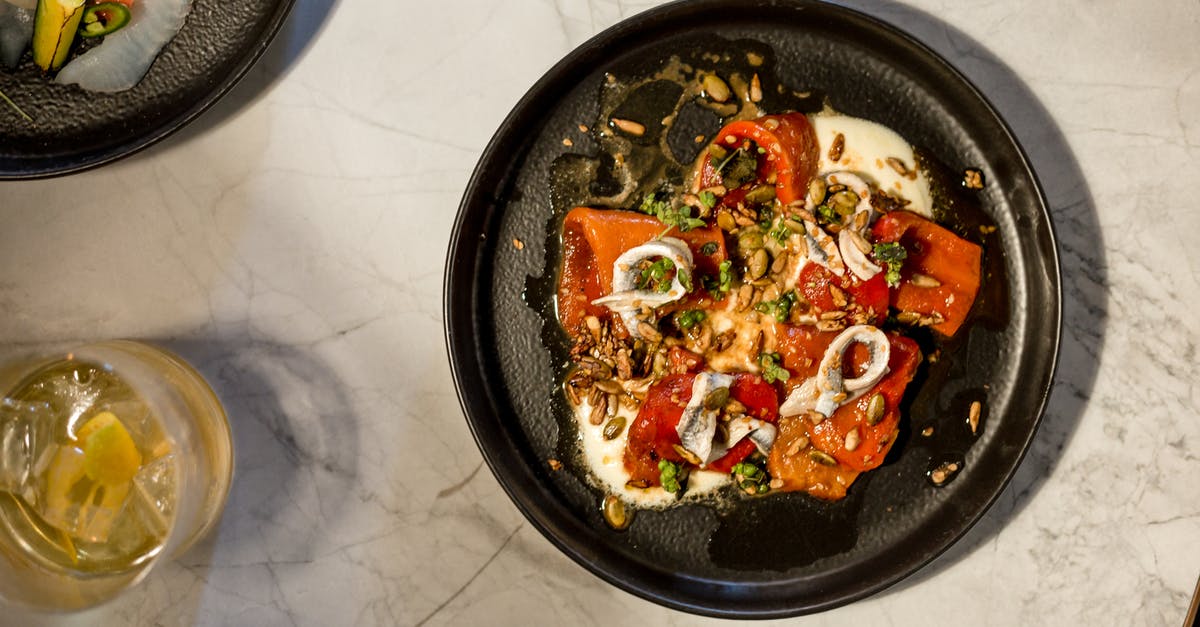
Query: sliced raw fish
point(123, 58)
point(16, 31)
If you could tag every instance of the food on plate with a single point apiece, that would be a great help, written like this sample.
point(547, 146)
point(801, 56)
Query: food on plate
point(101, 45)
point(757, 324)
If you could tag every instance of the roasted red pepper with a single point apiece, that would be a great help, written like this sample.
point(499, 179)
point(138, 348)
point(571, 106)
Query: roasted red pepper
point(790, 152)
point(935, 252)
point(652, 436)
point(592, 241)
point(871, 295)
point(874, 440)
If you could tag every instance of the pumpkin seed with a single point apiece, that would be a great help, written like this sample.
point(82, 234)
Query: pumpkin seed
point(816, 190)
point(821, 457)
point(614, 428)
point(875, 409)
point(761, 194)
point(716, 399)
point(725, 221)
point(758, 264)
point(844, 202)
point(750, 240)
point(907, 317)
point(639, 484)
point(615, 513)
point(691, 457)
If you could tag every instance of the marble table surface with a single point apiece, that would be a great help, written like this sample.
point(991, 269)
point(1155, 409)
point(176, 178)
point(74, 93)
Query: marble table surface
point(291, 244)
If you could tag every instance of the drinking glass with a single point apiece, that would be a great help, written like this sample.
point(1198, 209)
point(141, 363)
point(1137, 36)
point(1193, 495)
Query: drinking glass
point(114, 457)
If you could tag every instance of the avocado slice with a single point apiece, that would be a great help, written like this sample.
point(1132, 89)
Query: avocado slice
point(54, 28)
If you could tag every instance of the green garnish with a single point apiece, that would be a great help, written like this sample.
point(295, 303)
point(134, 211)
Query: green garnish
point(771, 370)
point(678, 217)
point(708, 199)
point(780, 233)
point(750, 478)
point(657, 276)
point(720, 285)
point(668, 475)
point(689, 318)
point(828, 215)
point(15, 107)
point(780, 308)
point(709, 249)
point(893, 255)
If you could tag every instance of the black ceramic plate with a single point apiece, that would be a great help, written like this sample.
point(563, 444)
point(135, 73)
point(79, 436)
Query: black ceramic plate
point(783, 554)
point(74, 129)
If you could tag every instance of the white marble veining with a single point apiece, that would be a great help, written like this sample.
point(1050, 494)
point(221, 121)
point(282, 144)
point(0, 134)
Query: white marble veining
point(291, 244)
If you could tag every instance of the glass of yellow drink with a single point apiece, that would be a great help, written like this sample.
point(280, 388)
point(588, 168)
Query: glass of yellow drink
point(113, 457)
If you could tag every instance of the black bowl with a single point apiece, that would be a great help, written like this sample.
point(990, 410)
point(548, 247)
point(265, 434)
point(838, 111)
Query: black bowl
point(783, 554)
point(74, 130)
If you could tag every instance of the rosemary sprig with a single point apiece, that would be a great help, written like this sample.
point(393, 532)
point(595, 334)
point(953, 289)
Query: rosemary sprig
point(15, 107)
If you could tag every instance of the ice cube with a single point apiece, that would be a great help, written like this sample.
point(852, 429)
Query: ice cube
point(26, 430)
point(154, 490)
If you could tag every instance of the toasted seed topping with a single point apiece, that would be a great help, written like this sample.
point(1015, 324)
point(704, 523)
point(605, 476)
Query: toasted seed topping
point(716, 89)
point(927, 431)
point(875, 409)
point(614, 428)
point(629, 126)
point(922, 280)
point(853, 439)
point(973, 179)
point(615, 513)
point(822, 458)
point(898, 165)
point(687, 455)
point(839, 144)
point(755, 89)
point(973, 416)
point(554, 464)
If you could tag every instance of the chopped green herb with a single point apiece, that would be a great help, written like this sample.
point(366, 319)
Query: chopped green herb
point(708, 199)
point(780, 233)
point(689, 318)
point(669, 475)
point(709, 249)
point(657, 276)
point(780, 308)
point(720, 285)
point(828, 215)
point(678, 217)
point(892, 254)
point(771, 370)
point(750, 478)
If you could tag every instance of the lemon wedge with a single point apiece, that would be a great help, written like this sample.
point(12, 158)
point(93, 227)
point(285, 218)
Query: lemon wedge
point(109, 455)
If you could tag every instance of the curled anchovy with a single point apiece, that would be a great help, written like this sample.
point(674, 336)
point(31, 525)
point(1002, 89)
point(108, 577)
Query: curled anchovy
point(626, 299)
point(827, 390)
point(822, 250)
point(698, 425)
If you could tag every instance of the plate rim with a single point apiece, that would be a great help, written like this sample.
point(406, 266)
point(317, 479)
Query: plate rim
point(456, 305)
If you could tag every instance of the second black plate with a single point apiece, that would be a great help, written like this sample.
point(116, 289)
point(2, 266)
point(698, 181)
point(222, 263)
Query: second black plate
point(75, 129)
